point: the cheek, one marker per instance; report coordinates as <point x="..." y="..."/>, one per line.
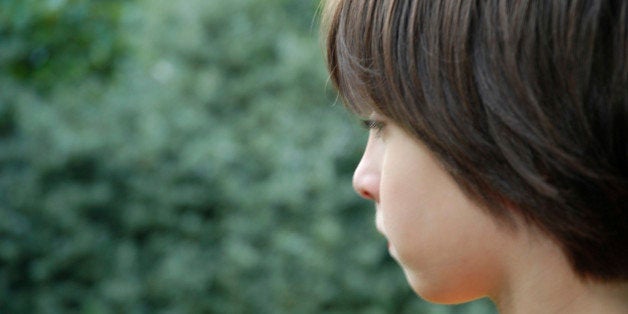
<point x="401" y="208"/>
<point x="447" y="246"/>
<point x="411" y="195"/>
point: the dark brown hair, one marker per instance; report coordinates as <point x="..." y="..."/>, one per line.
<point x="523" y="102"/>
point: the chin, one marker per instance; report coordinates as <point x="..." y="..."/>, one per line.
<point x="441" y="293"/>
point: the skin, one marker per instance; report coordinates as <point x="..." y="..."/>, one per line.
<point x="451" y="250"/>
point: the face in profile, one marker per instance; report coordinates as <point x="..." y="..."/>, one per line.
<point x="451" y="251"/>
<point x="521" y="194"/>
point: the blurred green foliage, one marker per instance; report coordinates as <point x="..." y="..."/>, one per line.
<point x="43" y="41"/>
<point x="181" y="157"/>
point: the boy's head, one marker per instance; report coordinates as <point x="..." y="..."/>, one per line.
<point x="524" y="103"/>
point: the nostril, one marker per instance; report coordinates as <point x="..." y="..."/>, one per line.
<point x="365" y="194"/>
<point x="363" y="190"/>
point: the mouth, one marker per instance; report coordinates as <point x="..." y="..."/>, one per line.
<point x="379" y="225"/>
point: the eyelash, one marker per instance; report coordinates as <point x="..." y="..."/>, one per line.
<point x="373" y="125"/>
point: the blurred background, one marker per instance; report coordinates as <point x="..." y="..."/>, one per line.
<point x="182" y="157"/>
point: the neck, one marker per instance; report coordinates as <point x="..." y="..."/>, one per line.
<point x="542" y="281"/>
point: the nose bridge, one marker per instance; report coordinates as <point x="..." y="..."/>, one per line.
<point x="367" y="174"/>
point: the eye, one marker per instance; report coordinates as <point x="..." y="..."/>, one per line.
<point x="374" y="125"/>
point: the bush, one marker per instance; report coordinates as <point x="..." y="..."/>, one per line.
<point x="181" y="157"/>
<point x="42" y="42"/>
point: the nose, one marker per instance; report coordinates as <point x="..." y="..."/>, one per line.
<point x="366" y="177"/>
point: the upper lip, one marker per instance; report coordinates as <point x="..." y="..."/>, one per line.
<point x="381" y="231"/>
<point x="378" y="221"/>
